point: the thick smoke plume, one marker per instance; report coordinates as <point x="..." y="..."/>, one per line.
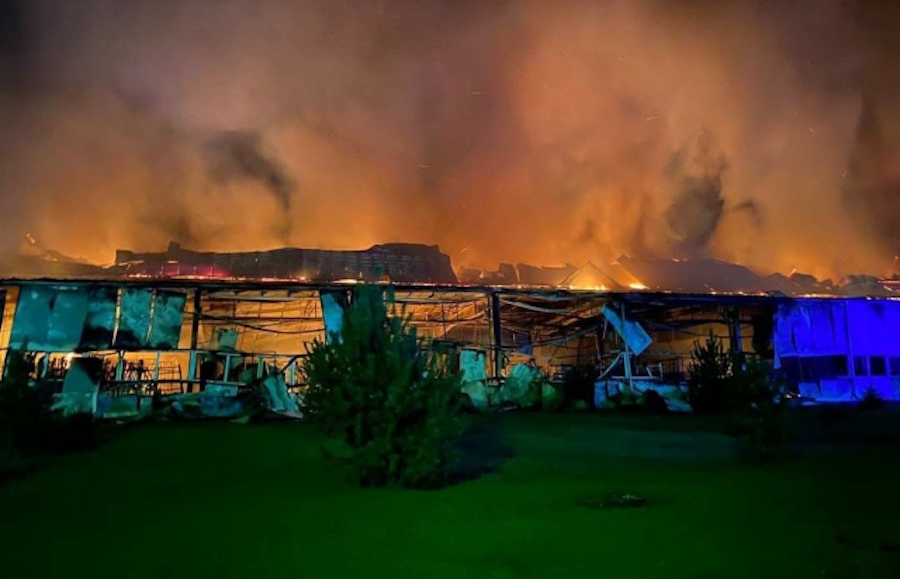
<point x="696" y="173"/>
<point x="239" y="156"/>
<point x="531" y="130"/>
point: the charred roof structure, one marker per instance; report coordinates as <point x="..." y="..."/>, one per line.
<point x="33" y="260"/>
<point x="400" y="262"/>
<point x="687" y="276"/>
<point x="425" y="264"/>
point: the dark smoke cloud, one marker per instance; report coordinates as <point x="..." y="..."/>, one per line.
<point x="12" y="34"/>
<point x="872" y="191"/>
<point x="752" y="212"/>
<point x="238" y="155"/>
<point x="588" y="232"/>
<point x="14" y="53"/>
<point x="531" y="130"/>
<point x="696" y="173"/>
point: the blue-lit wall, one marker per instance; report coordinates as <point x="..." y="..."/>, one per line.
<point x="837" y="349"/>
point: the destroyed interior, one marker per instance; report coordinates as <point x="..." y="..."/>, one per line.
<point x="210" y="334"/>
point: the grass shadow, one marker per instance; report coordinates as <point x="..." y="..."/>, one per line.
<point x="482" y="450"/>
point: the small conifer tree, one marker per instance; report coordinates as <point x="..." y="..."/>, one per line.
<point x="711" y="366"/>
<point x="390" y="398"/>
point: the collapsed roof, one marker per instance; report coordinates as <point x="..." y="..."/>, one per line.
<point x="691" y="276"/>
<point x="31" y="259"/>
<point x="426" y="264"/>
<point x="400" y="262"/>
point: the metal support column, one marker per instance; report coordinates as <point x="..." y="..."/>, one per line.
<point x="195" y="331"/>
<point x="851" y="355"/>
<point x="626" y="353"/>
<point x="737" y="338"/>
<point x="496" y="334"/>
<point x="120" y="366"/>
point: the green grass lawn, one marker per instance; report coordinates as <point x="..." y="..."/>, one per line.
<point x="258" y="501"/>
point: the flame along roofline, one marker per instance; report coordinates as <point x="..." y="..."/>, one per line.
<point x="537" y="291"/>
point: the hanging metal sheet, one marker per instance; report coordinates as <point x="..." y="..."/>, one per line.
<point x="134" y="319"/>
<point x="473" y="365"/>
<point x="48" y="319"/>
<point x="168" y="317"/>
<point x="100" y="322"/>
<point x="333" y="305"/>
<point x="632" y="333"/>
<point x="224" y="339"/>
<point x="67" y="320"/>
<point x="32" y="317"/>
<point x="523" y="343"/>
<point x="80" y="387"/>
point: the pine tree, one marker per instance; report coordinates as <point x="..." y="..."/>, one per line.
<point x="386" y="394"/>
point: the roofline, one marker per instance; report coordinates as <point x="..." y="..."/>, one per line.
<point x="634" y="296"/>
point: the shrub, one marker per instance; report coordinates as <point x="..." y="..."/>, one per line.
<point x="391" y="402"/>
<point x="551" y="397"/>
<point x="26" y="424"/>
<point x="20" y="406"/>
<point x="871" y="400"/>
<point x="73" y="433"/>
<point x="832" y="414"/>
<point x="625" y="400"/>
<point x="577" y="386"/>
<point x="711" y="367"/>
<point x="654" y="402"/>
<point x="759" y="416"/>
<point x="524" y="388"/>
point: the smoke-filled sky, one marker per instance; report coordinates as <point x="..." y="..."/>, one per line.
<point x="545" y="131"/>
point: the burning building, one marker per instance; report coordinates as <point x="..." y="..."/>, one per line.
<point x="458" y="132"/>
<point x="156" y="337"/>
<point x="183" y="321"/>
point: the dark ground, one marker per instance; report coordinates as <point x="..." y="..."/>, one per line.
<point x="223" y="500"/>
